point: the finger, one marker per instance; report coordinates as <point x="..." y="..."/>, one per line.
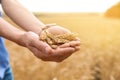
<point x="74" y="43"/>
<point x="53" y="24"/>
<point x="64" y="45"/>
<point x="70" y="44"/>
<point x="77" y="39"/>
<point x="77" y="48"/>
<point x="63" y="51"/>
<point x="48" y="26"/>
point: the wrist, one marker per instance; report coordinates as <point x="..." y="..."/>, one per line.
<point x="18" y="38"/>
<point x="26" y="38"/>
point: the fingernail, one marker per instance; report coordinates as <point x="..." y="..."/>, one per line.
<point x="77" y="48"/>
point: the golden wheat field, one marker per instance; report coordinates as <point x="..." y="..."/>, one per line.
<point x="98" y="59"/>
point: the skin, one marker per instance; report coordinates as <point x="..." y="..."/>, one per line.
<point x="28" y="37"/>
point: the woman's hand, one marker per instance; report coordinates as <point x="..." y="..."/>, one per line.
<point x="43" y="51"/>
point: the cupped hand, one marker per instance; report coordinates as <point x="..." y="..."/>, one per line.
<point x="43" y="51"/>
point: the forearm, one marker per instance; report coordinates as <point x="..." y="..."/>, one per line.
<point x="21" y="16"/>
<point x="9" y="32"/>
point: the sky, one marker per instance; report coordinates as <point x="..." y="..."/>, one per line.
<point x="68" y="5"/>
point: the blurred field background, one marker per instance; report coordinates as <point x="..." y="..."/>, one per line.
<point x="98" y="59"/>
